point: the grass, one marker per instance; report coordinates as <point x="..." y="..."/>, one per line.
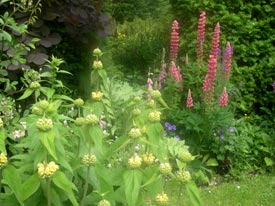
<point x="250" y="191"/>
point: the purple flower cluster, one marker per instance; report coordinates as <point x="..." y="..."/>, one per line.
<point x="169" y="130"/>
<point x="170" y="127"/>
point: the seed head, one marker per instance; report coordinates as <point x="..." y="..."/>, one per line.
<point x="148" y="158"/>
<point x="80" y="121"/>
<point x="134" y="161"/>
<point x="104" y="203"/>
<point x="97" y="95"/>
<point x="183" y="176"/>
<point x="35" y="85"/>
<point x="92" y="119"/>
<point x="44" y="124"/>
<point x="89" y="160"/>
<point x="162" y="199"/>
<point x="135" y="133"/>
<point x="47" y="170"/>
<point x="165" y="168"/>
<point x="78" y="102"/>
<point x="154" y="116"/>
<point x="97" y="64"/>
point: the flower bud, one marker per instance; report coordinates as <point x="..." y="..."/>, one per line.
<point x="44" y="124"/>
<point x="154" y="93"/>
<point x="151" y="103"/>
<point x="1" y="123"/>
<point x="92" y="119"/>
<point x="97" y="65"/>
<point x="154" y="116"/>
<point x="136" y="112"/>
<point x="148" y="158"/>
<point x="37" y="110"/>
<point x="134" y="161"/>
<point x="80" y="121"/>
<point x="135" y="133"/>
<point x="165" y="168"/>
<point x="79" y="102"/>
<point x="97" y="95"/>
<point x="97" y="52"/>
<point x="3" y="160"/>
<point x="183" y="176"/>
<point x="186" y="156"/>
<point x="89" y="160"/>
<point x="43" y="104"/>
<point x="47" y="170"/>
<point x="162" y="199"/>
<point x="137" y="98"/>
<point x="104" y="203"/>
<point x="35" y="85"/>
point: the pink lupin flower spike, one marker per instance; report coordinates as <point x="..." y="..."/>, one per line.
<point x="174" y="72"/>
<point x="226" y="64"/>
<point x="223" y="98"/>
<point x="162" y="76"/>
<point x="200" y="37"/>
<point x="189" y="101"/>
<point x="174" y="42"/>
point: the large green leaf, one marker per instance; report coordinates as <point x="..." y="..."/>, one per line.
<point x="61" y="181"/>
<point x="47" y="139"/>
<point x="13" y="180"/>
<point x="30" y="186"/>
<point x="132" y="182"/>
<point x="96" y="135"/>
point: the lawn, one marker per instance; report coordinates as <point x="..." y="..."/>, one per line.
<point x="250" y="191"/>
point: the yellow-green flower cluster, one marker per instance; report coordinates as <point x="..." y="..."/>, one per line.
<point x="135" y="133"/>
<point x="44" y="124"/>
<point x="47" y="170"/>
<point x="89" y="160"/>
<point x="165" y="168"/>
<point x="154" y="93"/>
<point x="79" y="121"/>
<point x="78" y="102"/>
<point x="136" y="112"/>
<point x="41" y="107"/>
<point x="151" y="103"/>
<point x="104" y="203"/>
<point x="162" y="199"/>
<point x="3" y="159"/>
<point x="92" y="119"/>
<point x="183" y="176"/>
<point x="154" y="116"/>
<point x="135" y="161"/>
<point x="97" y="64"/>
<point x="35" y="85"/>
<point x="186" y="156"/>
<point x="1" y="123"/>
<point x="43" y="104"/>
<point x="148" y="158"/>
<point x="97" y="95"/>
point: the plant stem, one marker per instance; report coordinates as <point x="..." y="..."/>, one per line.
<point x="0" y="179"/>
<point x="180" y="188"/>
<point x="85" y="188"/>
<point x="49" y="192"/>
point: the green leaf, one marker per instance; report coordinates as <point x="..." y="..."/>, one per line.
<point x="212" y="162"/>
<point x="96" y="135"/>
<point x="2" y="141"/>
<point x="13" y="180"/>
<point x="47" y="139"/>
<point x="268" y="161"/>
<point x="30" y="186"/>
<point x="193" y="194"/>
<point x="26" y="94"/>
<point x="6" y="36"/>
<point x="61" y="181"/>
<point x="132" y="182"/>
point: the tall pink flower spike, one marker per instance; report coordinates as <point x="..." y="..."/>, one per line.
<point x="200" y="37"/>
<point x="226" y="64"/>
<point x="223" y="98"/>
<point x="174" y="72"/>
<point x="210" y="77"/>
<point x="189" y="101"/>
<point x="174" y="42"/>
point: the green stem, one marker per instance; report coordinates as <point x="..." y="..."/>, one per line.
<point x="0" y="179"/>
<point x="85" y="188"/>
<point x="180" y="188"/>
<point x="49" y="192"/>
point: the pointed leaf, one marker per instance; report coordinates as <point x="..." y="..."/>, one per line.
<point x="26" y="94"/>
<point x="193" y="194"/>
<point x="30" y="186"/>
<point x="132" y="182"/>
<point x="2" y="141"/>
<point x="47" y="139"/>
<point x="61" y="181"/>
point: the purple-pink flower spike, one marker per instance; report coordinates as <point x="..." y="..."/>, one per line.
<point x="189" y="101"/>
<point x="226" y="64"/>
<point x="162" y="76"/>
<point x="174" y="72"/>
<point x="174" y="42"/>
<point x="200" y="36"/>
<point x="223" y="98"/>
<point x="209" y="80"/>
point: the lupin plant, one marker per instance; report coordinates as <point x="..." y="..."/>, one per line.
<point x="205" y="111"/>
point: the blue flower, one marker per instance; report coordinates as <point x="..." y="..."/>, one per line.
<point x="231" y="129"/>
<point x="222" y="136"/>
